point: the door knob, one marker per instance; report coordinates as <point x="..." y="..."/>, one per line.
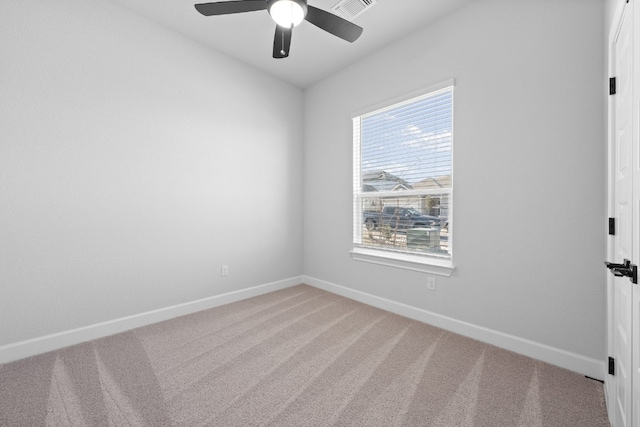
<point x="626" y="269"/>
<point x="611" y="265"/>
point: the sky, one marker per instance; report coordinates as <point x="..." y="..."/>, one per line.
<point x="412" y="140"/>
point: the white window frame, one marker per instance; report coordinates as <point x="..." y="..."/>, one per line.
<point x="425" y="263"/>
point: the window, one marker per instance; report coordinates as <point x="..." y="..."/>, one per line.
<point x="403" y="182"/>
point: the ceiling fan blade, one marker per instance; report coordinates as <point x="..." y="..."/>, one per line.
<point x="333" y="24"/>
<point x="282" y="42"/>
<point x="227" y="7"/>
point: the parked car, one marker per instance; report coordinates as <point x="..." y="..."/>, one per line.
<point x="399" y="218"/>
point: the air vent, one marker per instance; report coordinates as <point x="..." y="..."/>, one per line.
<point x="349" y="9"/>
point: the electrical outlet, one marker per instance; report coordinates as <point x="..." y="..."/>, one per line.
<point x="224" y="270"/>
<point x="431" y="283"/>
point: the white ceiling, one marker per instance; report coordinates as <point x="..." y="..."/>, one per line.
<point x="315" y="54"/>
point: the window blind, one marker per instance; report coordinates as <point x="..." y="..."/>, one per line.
<point x="403" y="175"/>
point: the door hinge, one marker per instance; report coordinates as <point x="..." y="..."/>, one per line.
<point x="612" y="86"/>
<point x="612" y="366"/>
<point x="612" y="226"/>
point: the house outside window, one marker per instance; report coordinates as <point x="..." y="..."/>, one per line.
<point x="403" y="182"/>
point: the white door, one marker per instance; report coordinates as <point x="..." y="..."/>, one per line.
<point x="622" y="187"/>
<point x="634" y="10"/>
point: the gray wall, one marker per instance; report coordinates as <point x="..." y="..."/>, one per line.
<point x="133" y="163"/>
<point x="609" y="10"/>
<point x="528" y="169"/>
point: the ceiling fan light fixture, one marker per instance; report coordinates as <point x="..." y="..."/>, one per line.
<point x="288" y="13"/>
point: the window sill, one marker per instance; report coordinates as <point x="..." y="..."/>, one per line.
<point x="423" y="264"/>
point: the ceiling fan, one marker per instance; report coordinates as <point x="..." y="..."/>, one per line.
<point x="287" y="14"/>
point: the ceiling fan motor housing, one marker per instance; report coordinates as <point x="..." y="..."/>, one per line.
<point x="301" y="3"/>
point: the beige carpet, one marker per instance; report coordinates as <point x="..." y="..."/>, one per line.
<point x="296" y="357"/>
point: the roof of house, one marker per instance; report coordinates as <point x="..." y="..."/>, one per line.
<point x="383" y="181"/>
<point x="434" y="182"/>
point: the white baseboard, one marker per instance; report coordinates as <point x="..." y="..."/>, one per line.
<point x="32" y="347"/>
<point x="574" y="362"/>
